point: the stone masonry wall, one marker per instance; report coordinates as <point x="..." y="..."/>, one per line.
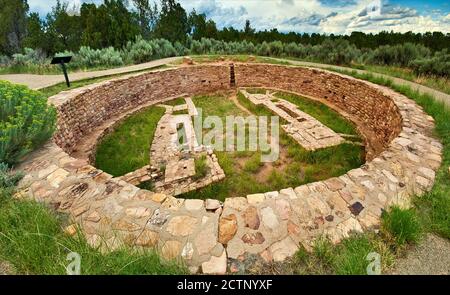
<point x="374" y="112"/>
<point x="80" y="114"/>
<point x="212" y="237"/>
<point x="82" y="111"/>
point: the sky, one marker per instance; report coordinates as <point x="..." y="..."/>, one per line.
<point x="313" y="16"/>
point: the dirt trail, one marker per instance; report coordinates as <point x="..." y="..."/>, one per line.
<point x="235" y="100"/>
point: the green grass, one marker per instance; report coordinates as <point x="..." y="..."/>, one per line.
<point x="246" y="174"/>
<point x="350" y="257"/>
<point x="434" y="207"/>
<point x="321" y="112"/>
<point x="201" y="167"/>
<point x="32" y="240"/>
<point x="55" y="89"/>
<point x="127" y="148"/>
<point x="180" y="112"/>
<point x="175" y="102"/>
<point x="256" y="90"/>
<point x="403" y="225"/>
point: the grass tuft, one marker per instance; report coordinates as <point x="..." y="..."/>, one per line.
<point x="201" y="167"/>
<point x="403" y="225"/>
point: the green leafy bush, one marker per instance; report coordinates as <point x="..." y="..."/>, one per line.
<point x="26" y="121"/>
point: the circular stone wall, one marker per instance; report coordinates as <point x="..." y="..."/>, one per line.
<point x="401" y="152"/>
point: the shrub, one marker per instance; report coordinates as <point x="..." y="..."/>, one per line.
<point x="26" y="121"/>
<point x="87" y="57"/>
<point x="138" y="51"/>
<point x="263" y="49"/>
<point x="403" y="225"/>
<point x="8" y="178"/>
<point x="275" y="48"/>
<point x="4" y="61"/>
<point x="399" y="55"/>
<point x="438" y="65"/>
<point x="29" y="57"/>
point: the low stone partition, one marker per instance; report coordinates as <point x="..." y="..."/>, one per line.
<point x="375" y="114"/>
<point x="213" y="237"/>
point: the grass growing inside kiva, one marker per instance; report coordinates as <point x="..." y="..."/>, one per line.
<point x="128" y="147"/>
<point x="246" y="174"/>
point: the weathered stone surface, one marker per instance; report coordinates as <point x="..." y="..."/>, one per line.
<point x="206" y="239"/>
<point x="215" y="265"/>
<point x="253" y="238"/>
<point x="266" y="256"/>
<point x="337" y="203"/>
<point x="251" y="217"/>
<point x="57" y="177"/>
<point x="159" y="198"/>
<point x="139" y="212"/>
<point x="71" y="229"/>
<point x="193" y="205"/>
<point x="181" y="225"/>
<point x="238" y="203"/>
<point x="188" y="251"/>
<point x="356" y="208"/>
<point x="271" y="195"/>
<point x="269" y="218"/>
<point x="94" y="217"/>
<point x="255" y="198"/>
<point x="283" y="249"/>
<point x="334" y="184"/>
<point x="288" y="192"/>
<point x="212" y="204"/>
<point x="171" y="250"/>
<point x="227" y="228"/>
<point x="172" y="203"/>
<point x="283" y="209"/>
<point x="147" y="238"/>
<point x="126" y="225"/>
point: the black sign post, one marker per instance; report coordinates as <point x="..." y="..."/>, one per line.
<point x="62" y="60"/>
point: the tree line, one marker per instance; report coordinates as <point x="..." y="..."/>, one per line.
<point x="113" y="24"/>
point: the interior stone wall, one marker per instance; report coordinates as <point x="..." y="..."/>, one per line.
<point x="81" y="113"/>
<point x="375" y="114"/>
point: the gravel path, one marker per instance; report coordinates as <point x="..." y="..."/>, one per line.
<point x="430" y="257"/>
<point x="42" y="81"/>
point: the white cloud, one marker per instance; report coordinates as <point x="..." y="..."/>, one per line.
<point x="323" y="16"/>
